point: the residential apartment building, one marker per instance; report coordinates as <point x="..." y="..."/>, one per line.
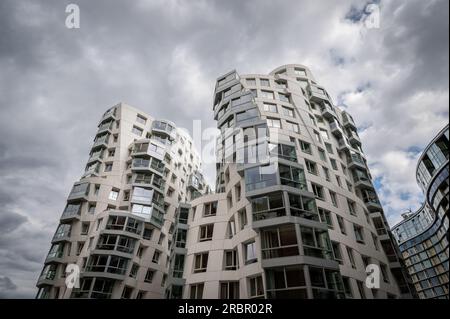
<point x="423" y="236"/>
<point x="295" y="213"/>
<point x="122" y="217"/>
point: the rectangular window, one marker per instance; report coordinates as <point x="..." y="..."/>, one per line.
<point x="196" y="291"/>
<point x="322" y="155"/>
<point x="301" y="72"/>
<point x="311" y="167"/>
<point x="268" y="107"/>
<point x="292" y="127"/>
<point x="206" y="232"/>
<point x="229" y="290"/>
<point x="326" y="173"/>
<point x="305" y="147"/>
<point x="384" y="272"/>
<point x="361" y="289"/>
<point x="338" y="180"/>
<point x="200" y="262"/>
<point x="283" y="97"/>
<point x="273" y="123"/>
<point x="141" y="119"/>
<point x="351" y="257"/>
<point x="351" y="207"/>
<point x="317" y="137"/>
<point x="292" y="176"/>
<point x="325" y="217"/>
<point x="108" y="167"/>
<point x="136" y="130"/>
<point x="256" y="287"/>
<point x="134" y="270"/>
<point x="264" y="82"/>
<point x="113" y="195"/>
<point x="333" y="164"/>
<point x="149" y="275"/>
<point x="250" y="82"/>
<point x="250" y="252"/>
<point x="267" y="94"/>
<point x="334" y="199"/>
<point x="329" y="148"/>
<point x="375" y="241"/>
<point x="279" y="242"/>
<point x="156" y="255"/>
<point x="324" y="134"/>
<point x="318" y="191"/>
<point x="230" y="259"/>
<point x="269" y="206"/>
<point x="341" y="224"/>
<point x="242" y="214"/>
<point x="347" y="287"/>
<point x="288" y="111"/>
<point x="316" y="242"/>
<point x="210" y="209"/>
<point x="359" y="233"/>
<point x="337" y="253"/>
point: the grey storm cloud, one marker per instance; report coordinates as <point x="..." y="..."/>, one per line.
<point x="163" y="57"/>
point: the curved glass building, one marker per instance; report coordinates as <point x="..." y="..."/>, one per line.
<point x="423" y="236"/>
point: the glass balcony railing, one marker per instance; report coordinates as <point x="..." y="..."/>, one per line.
<point x="164" y="127"/>
<point x="109" y="113"/>
<point x="62" y="232"/>
<point x="49" y="275"/>
<point x="71" y="211"/>
<point x="348" y="120"/>
<point x="356" y="159"/>
<point x="152" y="163"/>
<point x="336" y="129"/>
<point x="104" y="127"/>
<point x="101" y="140"/>
<point x="79" y="191"/>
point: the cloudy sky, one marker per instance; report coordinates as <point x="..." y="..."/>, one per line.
<point x="164" y="56"/>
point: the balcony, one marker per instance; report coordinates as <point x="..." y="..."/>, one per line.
<point x="348" y="120"/>
<point x="356" y="161"/>
<point x="327" y="111"/>
<point x="101" y="141"/>
<point x="95" y="156"/>
<point x="370" y="198"/>
<point x="62" y="233"/>
<point x="79" y="192"/>
<point x="71" y="212"/>
<point x="92" y="170"/>
<point x="146" y="164"/>
<point x="343" y="144"/>
<point x="336" y="129"/>
<point x="48" y="276"/>
<point x="362" y="180"/>
<point x="354" y="138"/>
<point x="105" y="127"/>
<point x="165" y="128"/>
<point x="110" y="114"/>
<point x="56" y="253"/>
<point x="317" y="94"/>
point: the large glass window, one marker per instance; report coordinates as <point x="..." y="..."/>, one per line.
<point x="279" y="242"/>
<point x="302" y="206"/>
<point x="316" y="242"/>
<point x="268" y="206"/>
<point x="260" y="177"/>
<point x="283" y="151"/>
<point x="200" y="262"/>
<point x="286" y="283"/>
<point x="292" y="176"/>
